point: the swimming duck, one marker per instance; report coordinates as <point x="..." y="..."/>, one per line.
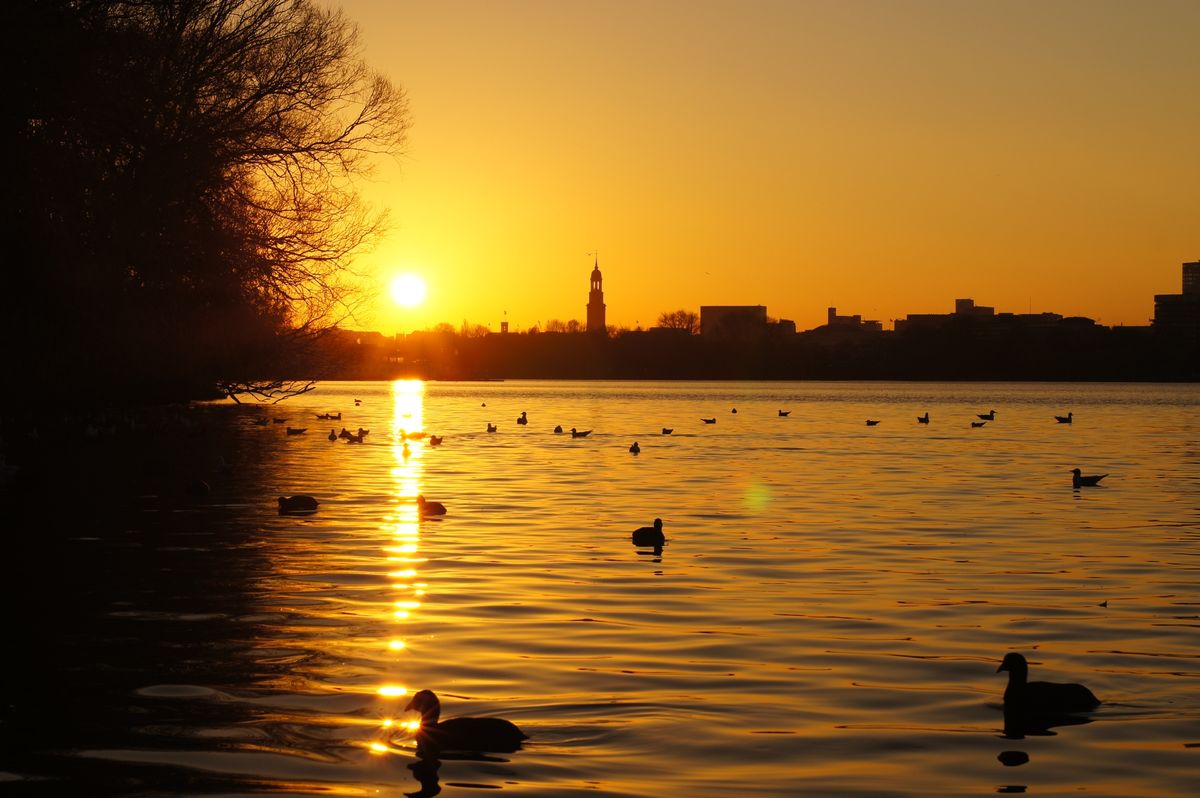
<point x="345" y="433"/>
<point x="279" y="420"/>
<point x="734" y="411"/>
<point x="430" y="508"/>
<point x="1041" y="697"/>
<point x="872" y="422"/>
<point x="462" y="734"/>
<point x="352" y="438"/>
<point x="988" y="416"/>
<point x="297" y="430"/>
<point x="923" y="419"/>
<point x="1078" y="480"/>
<point x="784" y="413"/>
<point x="709" y="420"/>
<point x="436" y="440"/>
<point x="299" y="504"/>
<point x="521" y="419"/>
<point x="1065" y="419"/>
<point x="668" y="430"/>
<point x="978" y="423"/>
<point x="558" y="429"/>
<point x="362" y="432"/>
<point x="491" y="427"/>
<point x="357" y="402"/>
<point x="332" y="435"/>
<point x="580" y="433"/>
<point x="635" y="449"/>
<point x="262" y="422"/>
<point x="649" y="535"/>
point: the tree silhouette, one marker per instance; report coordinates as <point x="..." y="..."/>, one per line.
<point x="680" y="320"/>
<point x="184" y="174"/>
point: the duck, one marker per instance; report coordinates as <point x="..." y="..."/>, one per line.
<point x="430" y="508"/>
<point x="297" y="430"/>
<point x="279" y="420"/>
<point x="352" y="438"/>
<point x="872" y="422"/>
<point x="332" y="435"/>
<point x="709" y="420"/>
<point x="300" y="504"/>
<point x="649" y="535"/>
<point x="262" y="422"/>
<point x="978" y="424"/>
<point x="1078" y="480"/>
<point x="734" y="411"/>
<point x="580" y="433"/>
<point x="461" y="734"/>
<point x="635" y="449"/>
<point x="436" y="440"/>
<point x="558" y="429"/>
<point x="522" y="420"/>
<point x="345" y="433"/>
<point x="923" y="419"/>
<point x="362" y="432"/>
<point x="357" y="402"/>
<point x="784" y="413"/>
<point x="988" y="416"/>
<point x="667" y="430"/>
<point x="1041" y="697"/>
<point x="491" y="427"/>
<point x="1065" y="419"/>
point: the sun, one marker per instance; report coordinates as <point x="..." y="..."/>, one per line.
<point x="407" y="290"/>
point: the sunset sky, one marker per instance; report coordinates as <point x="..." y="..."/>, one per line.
<point x="882" y="157"/>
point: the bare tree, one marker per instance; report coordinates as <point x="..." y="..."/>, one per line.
<point x="680" y="320"/>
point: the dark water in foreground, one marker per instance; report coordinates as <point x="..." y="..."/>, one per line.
<point x="826" y="619"/>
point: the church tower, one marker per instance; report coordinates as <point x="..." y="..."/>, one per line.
<point x="595" y="306"/>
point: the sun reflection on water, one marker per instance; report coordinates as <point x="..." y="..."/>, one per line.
<point x="408" y="448"/>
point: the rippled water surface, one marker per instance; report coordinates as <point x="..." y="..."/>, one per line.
<point x="826" y="618"/>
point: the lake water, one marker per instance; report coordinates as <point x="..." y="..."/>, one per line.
<point x="826" y="618"/>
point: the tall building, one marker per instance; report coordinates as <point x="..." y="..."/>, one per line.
<point x="595" y="305"/>
<point x="1177" y="316"/>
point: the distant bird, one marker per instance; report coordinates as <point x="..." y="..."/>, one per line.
<point x="357" y="402"/>
<point x="635" y="449"/>
<point x="1078" y="480"/>
<point x="297" y="505"/>
<point x="580" y="434"/>
<point x="430" y="508"/>
<point x="709" y="420"/>
<point x="923" y="419"/>
<point x="988" y="416"/>
<point x="784" y="413"/>
<point x="734" y="411"/>
<point x="345" y="433"/>
<point x="1065" y="419"/>
<point x="650" y="535"/>
<point x="1041" y="697"/>
<point x="352" y="438"/>
<point x="332" y="435"/>
<point x="667" y="430"/>
<point x="483" y="404"/>
<point x="978" y="423"/>
<point x="362" y="432"/>
<point x="558" y="429"/>
<point x="297" y="430"/>
<point x="871" y="423"/>
<point x="262" y="422"/>
<point x="279" y="420"/>
<point x="461" y="734"/>
<point x="522" y="420"/>
<point x="436" y="440"/>
<point x="491" y="427"/>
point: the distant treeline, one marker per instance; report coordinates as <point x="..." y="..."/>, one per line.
<point x="964" y="350"/>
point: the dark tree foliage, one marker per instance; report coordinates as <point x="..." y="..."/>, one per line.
<point x="680" y="320"/>
<point x="181" y="178"/>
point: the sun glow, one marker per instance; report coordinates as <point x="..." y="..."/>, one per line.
<point x="407" y="290"/>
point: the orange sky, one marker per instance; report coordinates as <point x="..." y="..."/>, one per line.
<point x="883" y="157"/>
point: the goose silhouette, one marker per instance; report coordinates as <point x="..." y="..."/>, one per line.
<point x="988" y="416"/>
<point x="430" y="508"/>
<point x="1065" y="419"/>
<point x="784" y="413"/>
<point x="299" y="504"/>
<point x="650" y="535"/>
<point x="923" y="419"/>
<point x="1041" y="697"/>
<point x="580" y="433"/>
<point x="1078" y="480"/>
<point x="461" y="734"/>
